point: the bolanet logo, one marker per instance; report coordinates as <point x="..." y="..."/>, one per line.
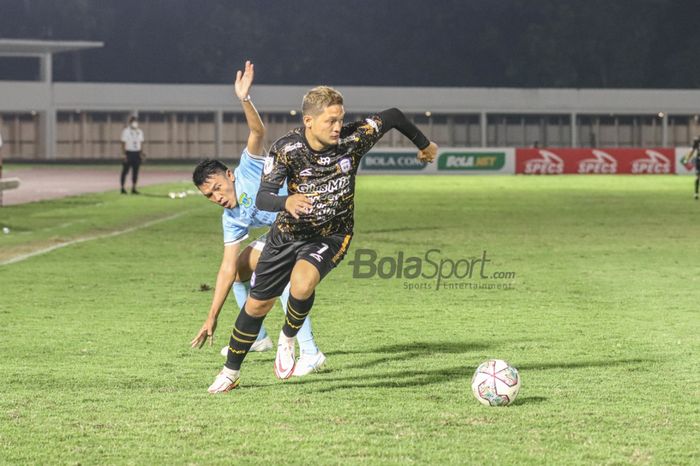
<point x="471" y="161"/>
<point x="601" y="163"/>
<point x="653" y="164"/>
<point x="549" y="164"/>
<point x="392" y="161"/>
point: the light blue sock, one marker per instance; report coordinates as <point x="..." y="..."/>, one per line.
<point x="305" y="337"/>
<point x="240" y="291"/>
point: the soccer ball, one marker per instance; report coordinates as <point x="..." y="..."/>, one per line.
<point x="495" y="383"/>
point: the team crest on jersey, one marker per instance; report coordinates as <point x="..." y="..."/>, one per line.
<point x="245" y="200"/>
<point x="345" y="165"/>
<point x="267" y="167"/>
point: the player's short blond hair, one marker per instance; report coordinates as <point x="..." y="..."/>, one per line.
<point x="318" y="98"/>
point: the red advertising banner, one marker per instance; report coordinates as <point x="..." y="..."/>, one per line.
<point x="555" y="161"/>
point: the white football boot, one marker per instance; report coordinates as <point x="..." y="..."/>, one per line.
<point x="309" y="363"/>
<point x="226" y="381"/>
<point x="284" y="361"/>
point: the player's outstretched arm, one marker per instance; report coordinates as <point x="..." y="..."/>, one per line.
<point x="224" y="280"/>
<point x="395" y="118"/>
<point x="256" y="135"/>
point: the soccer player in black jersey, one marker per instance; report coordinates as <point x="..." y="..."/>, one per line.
<point x="312" y="233"/>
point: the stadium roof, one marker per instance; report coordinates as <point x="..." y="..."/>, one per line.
<point x="32" y="47"/>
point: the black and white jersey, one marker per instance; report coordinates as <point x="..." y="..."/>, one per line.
<point x="327" y="178"/>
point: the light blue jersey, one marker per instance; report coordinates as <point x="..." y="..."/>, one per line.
<point x="238" y="221"/>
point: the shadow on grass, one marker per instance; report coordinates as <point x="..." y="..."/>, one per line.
<point x="407" y="351"/>
<point x="397" y="379"/>
<point x="421" y="347"/>
<point x="529" y="400"/>
<point x="580" y="364"/>
<point x="412" y="378"/>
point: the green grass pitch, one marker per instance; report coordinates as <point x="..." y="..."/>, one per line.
<point x="602" y="321"/>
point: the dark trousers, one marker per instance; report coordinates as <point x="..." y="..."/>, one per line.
<point x="133" y="162"/>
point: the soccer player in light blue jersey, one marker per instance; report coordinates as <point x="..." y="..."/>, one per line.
<point x="235" y="191"/>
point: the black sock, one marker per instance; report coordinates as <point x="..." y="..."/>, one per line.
<point x="297" y="310"/>
<point x="697" y="182"/>
<point x="243" y="335"/>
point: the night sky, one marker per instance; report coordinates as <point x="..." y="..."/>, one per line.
<point x="516" y="43"/>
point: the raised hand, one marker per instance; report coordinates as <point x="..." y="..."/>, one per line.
<point x="244" y="79"/>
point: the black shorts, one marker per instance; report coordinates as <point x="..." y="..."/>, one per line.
<point x="133" y="158"/>
<point x="697" y="165"/>
<point x="277" y="260"/>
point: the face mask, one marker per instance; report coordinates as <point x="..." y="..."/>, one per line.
<point x="134" y="124"/>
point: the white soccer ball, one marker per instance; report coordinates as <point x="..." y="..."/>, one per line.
<point x="495" y="383"/>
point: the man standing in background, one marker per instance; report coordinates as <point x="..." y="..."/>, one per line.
<point x="132" y="139"/>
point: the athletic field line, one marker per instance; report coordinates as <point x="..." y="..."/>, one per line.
<point x="38" y="252"/>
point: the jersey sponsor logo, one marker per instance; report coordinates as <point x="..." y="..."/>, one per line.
<point x="290" y="147"/>
<point x="654" y="163"/>
<point x="549" y="164"/>
<point x="471" y="161"/>
<point x="324" y="160"/>
<point x="269" y="163"/>
<point x="348" y="140"/>
<point x="600" y="163"/>
<point x="329" y="187"/>
<point x="245" y="200"/>
<point x="306" y="172"/>
<point x="345" y="165"/>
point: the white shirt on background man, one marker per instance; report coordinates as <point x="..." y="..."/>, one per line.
<point x="132" y="139"/>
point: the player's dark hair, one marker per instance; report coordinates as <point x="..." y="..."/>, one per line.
<point x="205" y="169"/>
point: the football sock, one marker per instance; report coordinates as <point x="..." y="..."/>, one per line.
<point x="240" y="291"/>
<point x="697" y="182"/>
<point x="243" y="335"/>
<point x="297" y="310"/>
<point x="305" y="337"/>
